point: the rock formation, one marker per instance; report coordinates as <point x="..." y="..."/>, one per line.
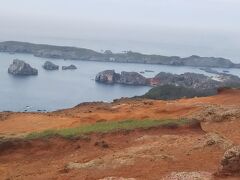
<point x="132" y="78"/>
<point x="230" y="164"/>
<point x="50" y="66"/>
<point x="190" y="80"/>
<point x="20" y="68"/>
<point x="71" y="67"/>
<point x="108" y="77"/>
<point x="128" y="78"/>
<point x="187" y="80"/>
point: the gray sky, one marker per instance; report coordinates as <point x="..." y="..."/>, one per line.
<point x="170" y="27"/>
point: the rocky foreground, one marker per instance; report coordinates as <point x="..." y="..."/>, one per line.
<point x="73" y="53"/>
<point x="208" y="150"/>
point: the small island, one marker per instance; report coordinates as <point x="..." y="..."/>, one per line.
<point x="50" y="66"/>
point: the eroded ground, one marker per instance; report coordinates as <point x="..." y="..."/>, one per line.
<point x="141" y="154"/>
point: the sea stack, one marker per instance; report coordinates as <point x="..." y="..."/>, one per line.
<point x="21" y="68"/>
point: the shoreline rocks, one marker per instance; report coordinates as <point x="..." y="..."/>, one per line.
<point x="21" y="68"/>
<point x="50" y="66"/>
<point x="187" y="80"/>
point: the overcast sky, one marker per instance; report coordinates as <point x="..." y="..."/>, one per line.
<point x="171" y="27"/>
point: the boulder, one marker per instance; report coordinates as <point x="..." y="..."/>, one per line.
<point x="230" y="163"/>
<point x="108" y="77"/>
<point x="50" y="66"/>
<point x="71" y="67"/>
<point x="21" y="68"/>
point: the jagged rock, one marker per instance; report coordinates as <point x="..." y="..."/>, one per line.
<point x="71" y="67"/>
<point x="189" y="176"/>
<point x="20" y="68"/>
<point x="108" y="76"/>
<point x="50" y="66"/>
<point x="230" y="163"/>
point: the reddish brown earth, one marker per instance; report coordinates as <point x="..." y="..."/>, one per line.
<point x="140" y="154"/>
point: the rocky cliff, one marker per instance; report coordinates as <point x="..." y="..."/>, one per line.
<point x="73" y="53"/>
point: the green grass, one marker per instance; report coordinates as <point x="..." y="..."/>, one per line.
<point x="105" y="127"/>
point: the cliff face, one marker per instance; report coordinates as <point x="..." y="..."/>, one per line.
<point x="73" y="53"/>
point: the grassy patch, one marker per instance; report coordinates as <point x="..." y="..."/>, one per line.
<point x="105" y="127"/>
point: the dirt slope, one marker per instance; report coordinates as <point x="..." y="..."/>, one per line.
<point x="140" y="154"/>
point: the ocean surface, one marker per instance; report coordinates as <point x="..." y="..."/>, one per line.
<point x="53" y="90"/>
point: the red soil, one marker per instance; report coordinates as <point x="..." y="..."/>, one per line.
<point x="141" y="154"/>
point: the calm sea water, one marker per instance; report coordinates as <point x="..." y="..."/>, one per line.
<point x="53" y="90"/>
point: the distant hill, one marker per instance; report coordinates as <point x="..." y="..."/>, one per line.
<point x="74" y="53"/>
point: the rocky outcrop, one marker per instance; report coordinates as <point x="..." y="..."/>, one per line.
<point x="218" y="113"/>
<point x="214" y="139"/>
<point x="186" y="80"/>
<point x="61" y="52"/>
<point x="190" y="80"/>
<point x="71" y="67"/>
<point x="21" y="68"/>
<point x="189" y="176"/>
<point x="128" y="78"/>
<point x="50" y="66"/>
<point x="230" y="164"/>
<point x="107" y="77"/>
<point x="132" y="78"/>
<point x="117" y="178"/>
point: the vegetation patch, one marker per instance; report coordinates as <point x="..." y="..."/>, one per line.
<point x="106" y="127"/>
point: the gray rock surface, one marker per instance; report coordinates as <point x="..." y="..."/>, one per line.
<point x="50" y="66"/>
<point x="71" y="67"/>
<point x="21" y="68"/>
